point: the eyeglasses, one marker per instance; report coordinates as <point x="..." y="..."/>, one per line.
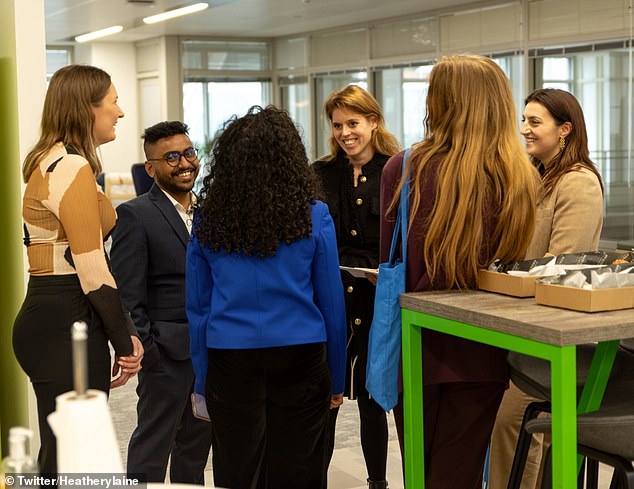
<point x="173" y="158"/>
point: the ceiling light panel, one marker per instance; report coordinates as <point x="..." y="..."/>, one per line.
<point x="170" y="14"/>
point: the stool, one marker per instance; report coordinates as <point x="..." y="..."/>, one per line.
<point x="606" y="436"/>
<point x="532" y="375"/>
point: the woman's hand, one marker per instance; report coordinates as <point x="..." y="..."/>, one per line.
<point x="336" y="400"/>
<point x="125" y="368"/>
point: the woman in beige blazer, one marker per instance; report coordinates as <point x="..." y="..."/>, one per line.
<point x="569" y="220"/>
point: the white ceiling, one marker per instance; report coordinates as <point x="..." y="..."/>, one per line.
<point x="235" y="18"/>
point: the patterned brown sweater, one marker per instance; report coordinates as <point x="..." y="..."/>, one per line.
<point x="66" y="219"/>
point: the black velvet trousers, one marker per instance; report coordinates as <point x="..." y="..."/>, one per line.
<point x="269" y="410"/>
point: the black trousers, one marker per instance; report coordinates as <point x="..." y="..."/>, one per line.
<point x="42" y="344"/>
<point x="166" y="426"/>
<point x="459" y="419"/>
<point x="373" y="427"/>
<point x="269" y="409"/>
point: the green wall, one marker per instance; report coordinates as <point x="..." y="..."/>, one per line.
<point x="13" y="392"/>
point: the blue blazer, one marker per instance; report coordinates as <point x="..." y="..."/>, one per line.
<point x="294" y="297"/>
<point x="149" y="245"/>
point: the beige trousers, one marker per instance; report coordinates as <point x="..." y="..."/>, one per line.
<point x="504" y="440"/>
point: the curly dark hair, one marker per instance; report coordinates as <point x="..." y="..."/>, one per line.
<point x="259" y="186"/>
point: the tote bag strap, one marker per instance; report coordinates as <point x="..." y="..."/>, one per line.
<point x="402" y="215"/>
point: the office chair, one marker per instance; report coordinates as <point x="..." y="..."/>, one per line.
<point x="142" y="181"/>
<point x="101" y="181"/>
<point x="532" y="375"/>
<point x="605" y="435"/>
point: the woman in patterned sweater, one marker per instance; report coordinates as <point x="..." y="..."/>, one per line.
<point x="66" y="220"/>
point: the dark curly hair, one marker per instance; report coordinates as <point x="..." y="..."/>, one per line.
<point x="259" y="186"/>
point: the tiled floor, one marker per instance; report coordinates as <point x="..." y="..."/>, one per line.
<point x="347" y="469"/>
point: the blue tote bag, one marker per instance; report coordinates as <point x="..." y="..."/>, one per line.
<point x="384" y="346"/>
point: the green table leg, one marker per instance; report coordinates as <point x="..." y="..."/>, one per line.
<point x="413" y="403"/>
<point x="598" y="376"/>
<point x="564" y="407"/>
<point x="596" y="381"/>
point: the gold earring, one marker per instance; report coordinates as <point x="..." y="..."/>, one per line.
<point x="562" y="143"/>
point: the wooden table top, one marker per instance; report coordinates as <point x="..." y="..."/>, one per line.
<point x="523" y="317"/>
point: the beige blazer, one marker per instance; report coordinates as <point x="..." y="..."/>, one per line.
<point x="570" y="218"/>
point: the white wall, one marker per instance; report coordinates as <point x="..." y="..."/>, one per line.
<point x="119" y="60"/>
<point x="31" y="70"/>
<point x="159" y="76"/>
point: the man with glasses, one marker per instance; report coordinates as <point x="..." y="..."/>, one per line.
<point x="149" y="245"/>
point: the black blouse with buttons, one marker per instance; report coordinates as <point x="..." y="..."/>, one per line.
<point x="356" y="215"/>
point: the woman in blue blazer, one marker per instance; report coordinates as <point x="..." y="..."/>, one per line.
<point x="265" y="307"/>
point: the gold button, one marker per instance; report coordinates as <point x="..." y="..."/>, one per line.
<point x="353" y="232"/>
<point x="363" y="179"/>
<point x="359" y="201"/>
<point x="357" y="321"/>
<point x="350" y="289"/>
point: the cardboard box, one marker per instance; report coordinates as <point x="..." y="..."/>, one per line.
<point x="503" y="283"/>
<point x="584" y="299"/>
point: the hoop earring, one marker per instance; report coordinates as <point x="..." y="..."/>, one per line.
<point x="562" y="143"/>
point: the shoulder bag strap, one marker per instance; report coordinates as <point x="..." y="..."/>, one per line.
<point x="404" y="204"/>
<point x="401" y="218"/>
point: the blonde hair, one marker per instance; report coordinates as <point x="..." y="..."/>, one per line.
<point x="356" y="99"/>
<point x="67" y="116"/>
<point x="471" y="125"/>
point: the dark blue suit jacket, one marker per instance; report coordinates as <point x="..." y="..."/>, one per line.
<point x="148" y="252"/>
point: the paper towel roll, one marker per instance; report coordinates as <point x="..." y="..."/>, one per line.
<point x="86" y="441"/>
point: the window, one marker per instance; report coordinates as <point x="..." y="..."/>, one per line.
<point x="226" y="55"/>
<point x="56" y="58"/>
<point x="513" y="66"/>
<point x="402" y="93"/>
<point x="557" y="73"/>
<point x="222" y="79"/>
<point x="600" y="81"/>
<point x="295" y="98"/>
<point x="208" y="104"/>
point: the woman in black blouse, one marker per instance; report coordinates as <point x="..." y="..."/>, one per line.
<point x="350" y="176"/>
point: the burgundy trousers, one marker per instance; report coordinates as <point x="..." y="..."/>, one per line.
<point x="459" y="418"/>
